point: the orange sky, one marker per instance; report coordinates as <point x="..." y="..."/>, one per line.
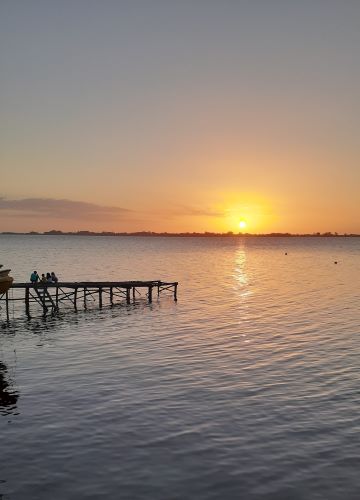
<point x="176" y="117"/>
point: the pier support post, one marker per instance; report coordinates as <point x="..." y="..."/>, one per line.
<point x="85" y="289"/>
<point x="27" y="301"/>
<point x="7" y="306"/>
<point x="111" y="296"/>
<point x="175" y="291"/>
<point x="100" y="297"/>
<point x="75" y="299"/>
<point x="133" y="293"/>
<point x="128" y="295"/>
<point x="150" y="294"/>
<point x="57" y="297"/>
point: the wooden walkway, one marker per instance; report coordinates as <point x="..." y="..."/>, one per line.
<point x="52" y="296"/>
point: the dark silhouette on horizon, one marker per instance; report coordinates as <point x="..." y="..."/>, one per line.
<point x="55" y="232"/>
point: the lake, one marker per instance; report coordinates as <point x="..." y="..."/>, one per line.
<point x="247" y="387"/>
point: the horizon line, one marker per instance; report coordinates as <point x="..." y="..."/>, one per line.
<point x="55" y="232"/>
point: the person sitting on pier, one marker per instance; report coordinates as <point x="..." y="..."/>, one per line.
<point x="34" y="278"/>
<point x="54" y="278"/>
<point x="48" y="278"/>
<point x="43" y="278"/>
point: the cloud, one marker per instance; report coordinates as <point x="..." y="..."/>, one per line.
<point x="183" y="210"/>
<point x="62" y="209"/>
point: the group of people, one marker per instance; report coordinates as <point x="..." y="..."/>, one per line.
<point x="45" y="278"/>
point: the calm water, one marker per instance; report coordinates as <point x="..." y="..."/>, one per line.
<point x="247" y="388"/>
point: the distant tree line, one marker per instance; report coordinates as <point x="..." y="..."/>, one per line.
<point x="55" y="232"/>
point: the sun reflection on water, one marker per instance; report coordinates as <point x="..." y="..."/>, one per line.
<point x="240" y="274"/>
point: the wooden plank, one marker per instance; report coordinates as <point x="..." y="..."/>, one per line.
<point x="95" y="284"/>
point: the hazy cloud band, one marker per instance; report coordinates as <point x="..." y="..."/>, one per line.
<point x="63" y="208"/>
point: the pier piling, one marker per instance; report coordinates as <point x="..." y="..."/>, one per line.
<point x="27" y="302"/>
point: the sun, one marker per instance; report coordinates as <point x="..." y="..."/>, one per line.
<point x="242" y="224"/>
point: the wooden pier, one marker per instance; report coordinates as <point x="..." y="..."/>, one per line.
<point x="52" y="296"/>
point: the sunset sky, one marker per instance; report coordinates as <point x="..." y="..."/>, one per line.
<point x="184" y="115"/>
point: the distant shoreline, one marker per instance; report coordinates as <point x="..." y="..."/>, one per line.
<point x="183" y="235"/>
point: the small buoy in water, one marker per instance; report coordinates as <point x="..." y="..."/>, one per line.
<point x="285" y="253"/>
<point x="335" y="262"/>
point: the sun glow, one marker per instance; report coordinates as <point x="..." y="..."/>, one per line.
<point x="246" y="213"/>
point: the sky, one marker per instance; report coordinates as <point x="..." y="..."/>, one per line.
<point x="184" y="115"/>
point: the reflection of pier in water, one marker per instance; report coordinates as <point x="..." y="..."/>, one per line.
<point x="54" y="296"/>
<point x="8" y="397"/>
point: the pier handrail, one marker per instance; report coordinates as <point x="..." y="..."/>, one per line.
<point x="119" y="284"/>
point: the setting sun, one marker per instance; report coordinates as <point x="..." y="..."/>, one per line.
<point x="242" y="224"/>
